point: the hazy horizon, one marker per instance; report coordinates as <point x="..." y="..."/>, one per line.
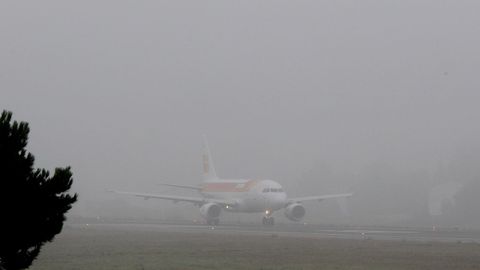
<point x="376" y="97"/>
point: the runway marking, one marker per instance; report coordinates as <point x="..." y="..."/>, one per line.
<point x="379" y="232"/>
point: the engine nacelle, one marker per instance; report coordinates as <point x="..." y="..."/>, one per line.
<point x="295" y="212"/>
<point x="210" y="211"/>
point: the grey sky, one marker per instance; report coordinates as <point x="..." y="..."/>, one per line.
<point x="123" y="90"/>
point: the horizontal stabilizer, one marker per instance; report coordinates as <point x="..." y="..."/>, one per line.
<point x="194" y="200"/>
<point x="182" y="186"/>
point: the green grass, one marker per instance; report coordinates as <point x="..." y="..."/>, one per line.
<point x="91" y="248"/>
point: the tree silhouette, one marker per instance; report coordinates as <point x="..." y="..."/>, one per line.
<point x="32" y="203"/>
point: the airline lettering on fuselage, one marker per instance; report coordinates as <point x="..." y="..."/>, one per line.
<point x="241" y="185"/>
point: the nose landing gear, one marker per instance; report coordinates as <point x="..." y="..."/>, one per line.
<point x="268" y="220"/>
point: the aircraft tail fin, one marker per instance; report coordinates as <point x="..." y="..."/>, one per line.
<point x="209" y="173"/>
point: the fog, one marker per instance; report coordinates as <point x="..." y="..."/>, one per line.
<point x="375" y="97"/>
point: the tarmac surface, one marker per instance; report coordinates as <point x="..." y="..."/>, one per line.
<point x="307" y="231"/>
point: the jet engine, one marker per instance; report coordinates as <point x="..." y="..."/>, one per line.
<point x="295" y="212"/>
<point x="210" y="211"/>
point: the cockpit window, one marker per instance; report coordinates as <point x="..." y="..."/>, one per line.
<point x="265" y="190"/>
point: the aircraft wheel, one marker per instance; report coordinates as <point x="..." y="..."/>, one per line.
<point x="269" y="221"/>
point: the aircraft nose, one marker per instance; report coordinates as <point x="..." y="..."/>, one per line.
<point x="278" y="201"/>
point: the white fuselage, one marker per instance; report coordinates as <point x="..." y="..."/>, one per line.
<point x="250" y="196"/>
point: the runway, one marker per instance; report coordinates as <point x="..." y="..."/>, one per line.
<point x="306" y="231"/>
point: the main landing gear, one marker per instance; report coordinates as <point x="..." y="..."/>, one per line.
<point x="213" y="221"/>
<point x="268" y="221"/>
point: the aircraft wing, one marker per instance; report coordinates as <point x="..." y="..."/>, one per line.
<point x="197" y="188"/>
<point x="320" y="197"/>
<point x="195" y="200"/>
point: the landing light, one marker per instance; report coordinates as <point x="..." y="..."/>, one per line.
<point x="267" y="212"/>
<point x="227" y="206"/>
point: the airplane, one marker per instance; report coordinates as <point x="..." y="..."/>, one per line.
<point x="238" y="195"/>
